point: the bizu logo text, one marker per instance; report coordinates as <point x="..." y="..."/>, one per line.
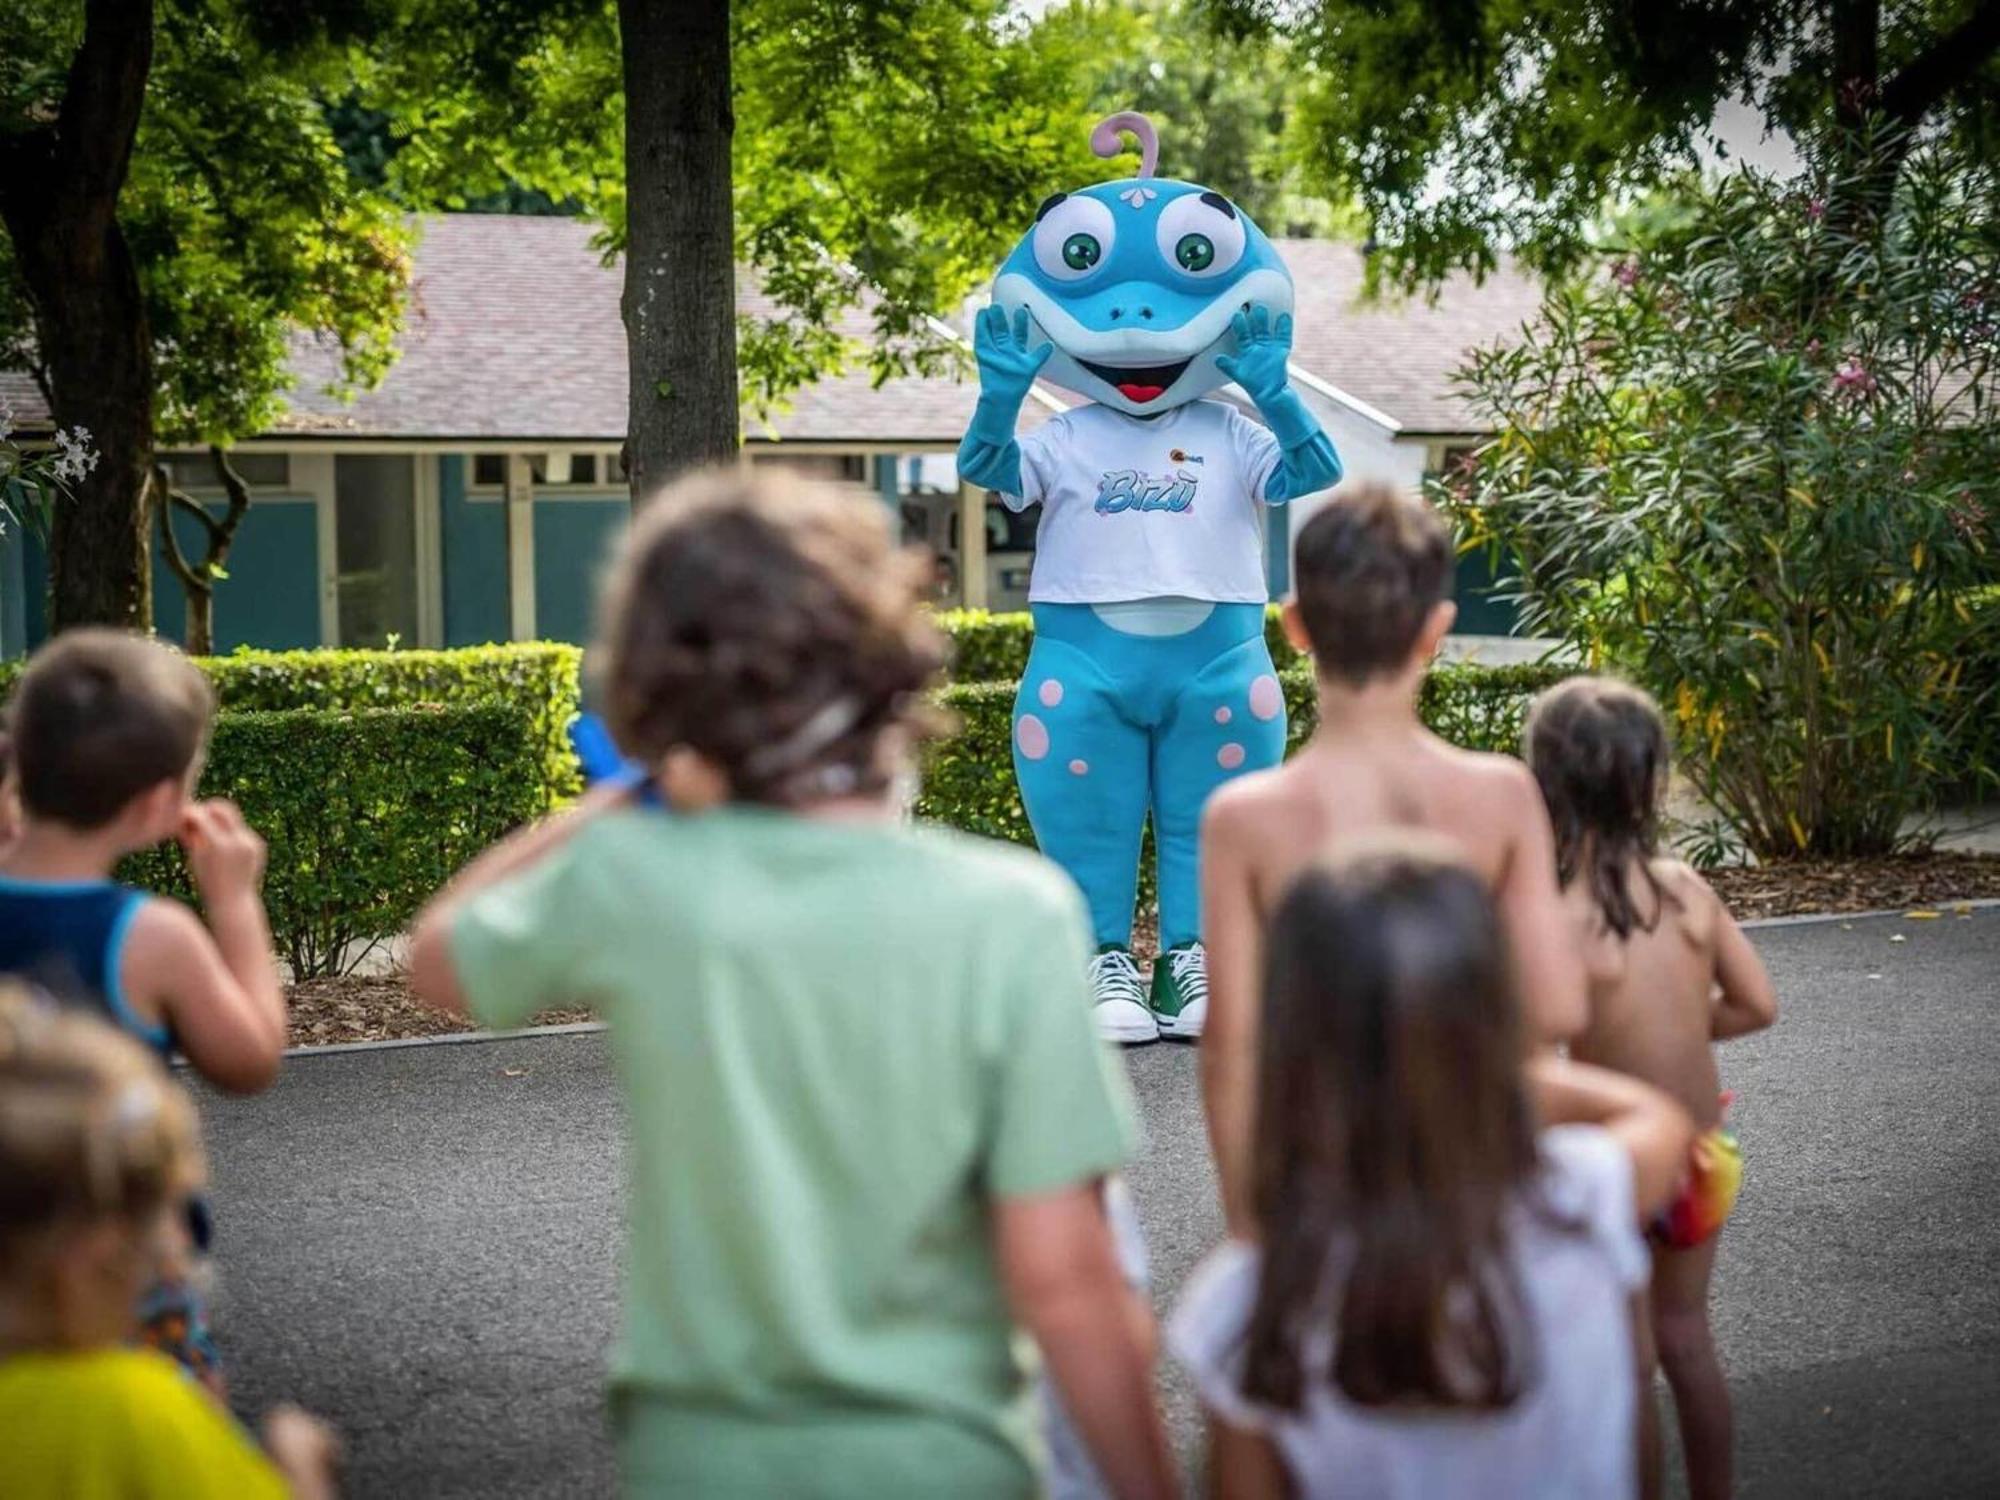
<point x="1129" y="489"/>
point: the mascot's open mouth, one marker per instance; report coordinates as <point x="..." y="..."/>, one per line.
<point x="1138" y="382"/>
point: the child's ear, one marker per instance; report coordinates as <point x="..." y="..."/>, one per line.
<point x="1295" y="627"/>
<point x="1437" y="625"/>
<point x="158" y="813"/>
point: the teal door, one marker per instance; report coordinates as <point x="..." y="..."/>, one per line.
<point x="573" y="540"/>
<point x="271" y="596"/>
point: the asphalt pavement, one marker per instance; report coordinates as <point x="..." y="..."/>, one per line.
<point x="421" y="1242"/>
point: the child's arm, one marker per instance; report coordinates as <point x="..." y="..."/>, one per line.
<point x="1243" y="1465"/>
<point x="217" y="986"/>
<point x="1234" y="938"/>
<point x="305" y="1450"/>
<point x="1063" y="1283"/>
<point x="1654" y="1130"/>
<point x="1548" y="966"/>
<point x="1748" y="1001"/>
<point x="433" y="977"/>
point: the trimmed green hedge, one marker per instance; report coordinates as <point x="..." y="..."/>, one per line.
<point x="994" y="648"/>
<point x="968" y="779"/>
<point x="366" y="813"/>
<point x="538" y="677"/>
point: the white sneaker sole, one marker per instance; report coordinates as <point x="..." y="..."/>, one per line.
<point x="1126" y="1022"/>
<point x="1185" y="1027"/>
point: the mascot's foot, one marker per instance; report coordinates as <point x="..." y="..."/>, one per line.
<point x="1119" y="999"/>
<point x="1180" y="992"/>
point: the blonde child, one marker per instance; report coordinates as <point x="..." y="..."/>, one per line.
<point x="1440" y="1299"/>
<point x="870" y="1116"/>
<point x="1373" y="573"/>
<point x="1670" y="974"/>
<point x="98" y="1154"/>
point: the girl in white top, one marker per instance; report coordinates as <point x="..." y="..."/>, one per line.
<point x="1442" y="1299"/>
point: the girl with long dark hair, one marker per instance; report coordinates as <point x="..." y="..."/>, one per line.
<point x="1439" y="1300"/>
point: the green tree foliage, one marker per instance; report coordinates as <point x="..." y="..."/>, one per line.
<point x="1222" y="101"/>
<point x="1468" y="126"/>
<point x="176" y="211"/>
<point x="1757" y="468"/>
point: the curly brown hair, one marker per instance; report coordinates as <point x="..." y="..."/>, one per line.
<point x="772" y="626"/>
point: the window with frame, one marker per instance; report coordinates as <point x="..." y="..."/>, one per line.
<point x="552" y="471"/>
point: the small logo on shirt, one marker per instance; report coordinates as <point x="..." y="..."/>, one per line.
<point x="1182" y="456"/>
<point x="1130" y="489"/>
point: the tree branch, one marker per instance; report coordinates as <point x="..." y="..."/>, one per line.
<point x="170" y="545"/>
<point x="1950" y="62"/>
<point x="100" y="108"/>
<point x="189" y="506"/>
<point x="224" y="536"/>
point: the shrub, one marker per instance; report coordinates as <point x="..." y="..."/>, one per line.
<point x="539" y="677"/>
<point x="366" y="813"/>
<point x="994" y="647"/>
<point x="1757" y="469"/>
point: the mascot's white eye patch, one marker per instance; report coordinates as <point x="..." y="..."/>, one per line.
<point x="1073" y="237"/>
<point x="1201" y="234"/>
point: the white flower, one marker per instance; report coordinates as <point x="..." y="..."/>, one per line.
<point x="6" y="418"/>
<point x="1137" y="196"/>
<point x="75" y="457"/>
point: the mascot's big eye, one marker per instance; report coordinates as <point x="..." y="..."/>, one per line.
<point x="1200" y="234"/>
<point x="1073" y="238"/>
<point x="1195" y="252"/>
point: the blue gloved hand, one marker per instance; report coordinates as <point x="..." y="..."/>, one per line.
<point x="1263" y="349"/>
<point x="1007" y="366"/>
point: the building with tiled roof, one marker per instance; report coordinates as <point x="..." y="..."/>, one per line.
<point x="473" y="494"/>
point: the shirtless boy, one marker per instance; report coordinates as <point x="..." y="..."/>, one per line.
<point x="1373" y="574"/>
<point x="1669" y="973"/>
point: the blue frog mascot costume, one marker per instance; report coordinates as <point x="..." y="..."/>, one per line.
<point x="1149" y="684"/>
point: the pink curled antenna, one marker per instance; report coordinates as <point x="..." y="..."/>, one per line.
<point x="1104" y="140"/>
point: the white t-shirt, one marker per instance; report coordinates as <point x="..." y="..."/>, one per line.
<point x="1570" y="1436"/>
<point x="1145" y="508"/>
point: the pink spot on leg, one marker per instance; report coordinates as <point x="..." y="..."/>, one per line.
<point x="1051" y="693"/>
<point x="1079" y="768"/>
<point x="1267" y="699"/>
<point x="1032" y="735"/>
<point x="1230" y="756"/>
<point x="1223" y="715"/>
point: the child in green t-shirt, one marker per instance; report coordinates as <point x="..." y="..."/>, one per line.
<point x="98" y="1153"/>
<point x="869" y="1116"/>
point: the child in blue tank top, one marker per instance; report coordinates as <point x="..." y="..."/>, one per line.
<point x="105" y="739"/>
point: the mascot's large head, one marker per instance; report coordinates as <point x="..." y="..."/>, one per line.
<point x="1135" y="282"/>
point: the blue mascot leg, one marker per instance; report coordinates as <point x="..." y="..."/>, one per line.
<point x="1081" y="765"/>
<point x="1228" y="719"/>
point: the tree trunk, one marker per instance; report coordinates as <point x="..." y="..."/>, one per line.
<point x="680" y="247"/>
<point x="59" y="186"/>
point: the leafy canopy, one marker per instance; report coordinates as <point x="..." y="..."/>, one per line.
<point x="242" y="216"/>
<point x="1471" y="126"/>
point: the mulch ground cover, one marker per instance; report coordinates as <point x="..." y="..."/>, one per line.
<point x="375" y="1007"/>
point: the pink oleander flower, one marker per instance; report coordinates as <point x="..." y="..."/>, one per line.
<point x="1853" y="379"/>
<point x="1816" y="209"/>
<point x="1626" y="273"/>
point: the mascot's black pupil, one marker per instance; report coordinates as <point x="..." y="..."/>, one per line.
<point x="1195" y="252"/>
<point x="1080" y="251"/>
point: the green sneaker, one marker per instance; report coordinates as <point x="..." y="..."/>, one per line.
<point x="1117" y="1001"/>
<point x="1180" y="992"/>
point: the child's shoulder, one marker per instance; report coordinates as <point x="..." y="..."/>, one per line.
<point x="1691" y="897"/>
<point x="961" y="864"/>
<point x="1248" y="801"/>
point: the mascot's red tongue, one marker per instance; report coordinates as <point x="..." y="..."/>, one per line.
<point x="1132" y="391"/>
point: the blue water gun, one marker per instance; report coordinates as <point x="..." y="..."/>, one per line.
<point x="602" y="761"/>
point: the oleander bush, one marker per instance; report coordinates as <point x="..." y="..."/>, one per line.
<point x="1757" y="469"/>
<point x="367" y="812"/>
